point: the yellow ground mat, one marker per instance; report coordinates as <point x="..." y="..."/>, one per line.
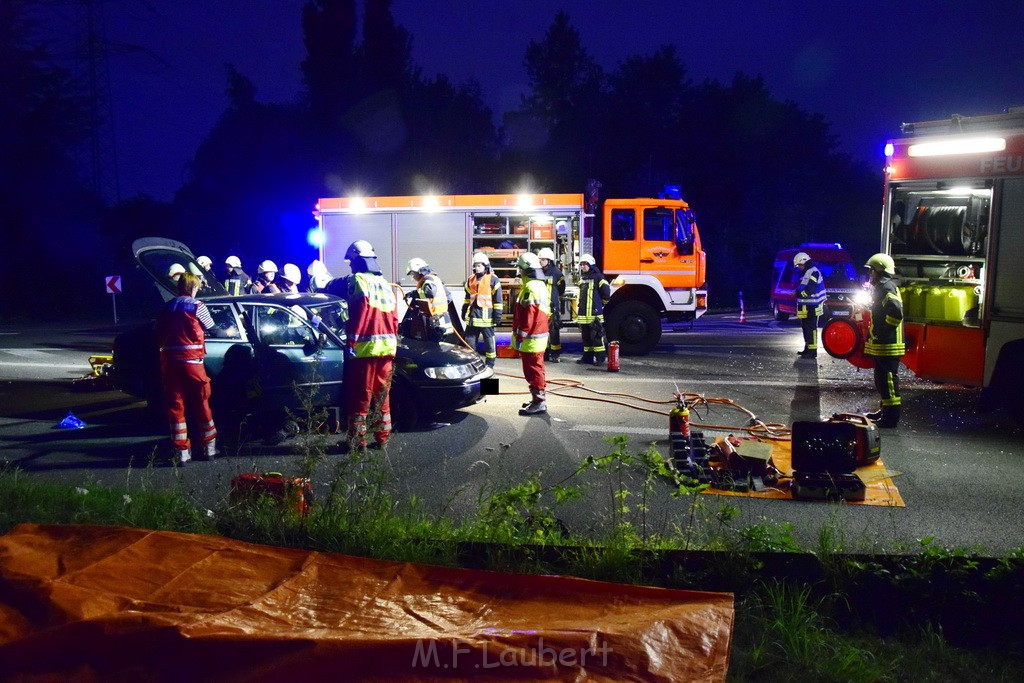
<point x="877" y="479"/>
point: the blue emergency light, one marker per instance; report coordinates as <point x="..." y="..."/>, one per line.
<point x="672" y="192"/>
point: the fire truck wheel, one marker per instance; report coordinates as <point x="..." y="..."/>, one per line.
<point x="777" y="314"/>
<point x="636" y="326"/>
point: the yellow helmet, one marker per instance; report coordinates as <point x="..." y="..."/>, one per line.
<point x="882" y="263"/>
<point x="529" y="260"/>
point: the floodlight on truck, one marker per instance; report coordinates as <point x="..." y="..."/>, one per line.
<point x="936" y="148"/>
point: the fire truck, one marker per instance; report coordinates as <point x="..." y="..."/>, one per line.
<point x="649" y="248"/>
<point x="953" y="221"/>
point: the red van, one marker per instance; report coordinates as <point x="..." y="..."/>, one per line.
<point x="836" y="266"/>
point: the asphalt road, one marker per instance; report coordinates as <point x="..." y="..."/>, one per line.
<point x="961" y="471"/>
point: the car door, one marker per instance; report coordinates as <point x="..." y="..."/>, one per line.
<point x="296" y="366"/>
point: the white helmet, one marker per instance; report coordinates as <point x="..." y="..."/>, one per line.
<point x="316" y="268"/>
<point x="587" y="258"/>
<point x="175" y="270"/>
<point x="529" y="260"/>
<point x="415" y="265"/>
<point x="547" y="253"/>
<point x="204" y="261"/>
<point x="267" y="266"/>
<point x="801" y="258"/>
<point x="360" y="248"/>
<point x="292" y="273"/>
<point x="233" y="261"/>
<point x="480" y="257"/>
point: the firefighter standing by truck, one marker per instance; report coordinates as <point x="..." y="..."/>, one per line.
<point x="810" y="302"/>
<point x="530" y="330"/>
<point x="885" y="337"/>
<point x="555" y="282"/>
<point x="594" y="294"/>
<point x="372" y="335"/>
<point x="181" y="333"/>
<point x="482" y="310"/>
<point x="430" y="301"/>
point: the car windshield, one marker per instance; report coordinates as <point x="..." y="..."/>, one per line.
<point x="333" y="314"/>
<point x="837" y="272"/>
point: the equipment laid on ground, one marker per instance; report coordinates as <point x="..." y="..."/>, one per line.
<point x="838" y="445"/>
<point x="249" y="487"/>
<point x="827" y="486"/>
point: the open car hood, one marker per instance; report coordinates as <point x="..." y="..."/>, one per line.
<point x="156" y="255"/>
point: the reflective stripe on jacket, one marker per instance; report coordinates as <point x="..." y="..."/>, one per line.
<point x="591" y="307"/>
<point x="180" y="329"/>
<point x="372" y="326"/>
<point x="530" y="318"/>
<point x="885" y="333"/>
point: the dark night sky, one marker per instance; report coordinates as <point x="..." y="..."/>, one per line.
<point x="866" y="66"/>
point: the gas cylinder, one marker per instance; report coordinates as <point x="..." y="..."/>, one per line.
<point x="613" y="356"/>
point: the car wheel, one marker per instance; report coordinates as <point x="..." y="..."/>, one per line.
<point x="636" y="326"/>
<point x="404" y="413"/>
<point x="778" y="314"/>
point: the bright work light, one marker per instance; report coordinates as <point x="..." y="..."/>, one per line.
<point x="962" y="146"/>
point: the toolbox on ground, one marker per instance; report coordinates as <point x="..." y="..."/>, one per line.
<point x="840" y="444"/>
<point x="248" y="487"/>
<point x="827" y="486"/>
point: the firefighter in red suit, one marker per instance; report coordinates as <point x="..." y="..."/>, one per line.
<point x="372" y="331"/>
<point x="530" y="330"/>
<point x="181" y="332"/>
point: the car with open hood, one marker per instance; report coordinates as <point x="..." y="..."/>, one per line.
<point x="269" y="354"/>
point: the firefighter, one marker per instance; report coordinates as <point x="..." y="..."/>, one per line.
<point x="318" y="276"/>
<point x="594" y="294"/>
<point x="530" y="316"/>
<point x="372" y="335"/>
<point x="205" y="262"/>
<point x="482" y="310"/>
<point x="885" y="337"/>
<point x="264" y="282"/>
<point x="291" y="276"/>
<point x="555" y="282"/>
<point x="810" y="302"/>
<point x="236" y="280"/>
<point x="430" y="300"/>
<point x="175" y="272"/>
<point x="181" y="333"/>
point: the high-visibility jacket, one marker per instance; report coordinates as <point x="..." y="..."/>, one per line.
<point x="433" y="297"/>
<point x="237" y="281"/>
<point x="530" y="317"/>
<point x="372" y="325"/>
<point x="594" y="294"/>
<point x="483" y="300"/>
<point x="810" y="293"/>
<point x="180" y="329"/>
<point x="885" y="333"/>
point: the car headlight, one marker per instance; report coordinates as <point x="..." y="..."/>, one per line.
<point x="449" y="372"/>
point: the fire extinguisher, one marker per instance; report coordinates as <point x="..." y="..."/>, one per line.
<point x="613" y="356"/>
<point x="679" y="430"/>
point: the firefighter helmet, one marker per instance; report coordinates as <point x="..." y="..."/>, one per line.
<point x="205" y="262"/>
<point x="267" y="266"/>
<point x="480" y="257"/>
<point x="175" y="270"/>
<point x="529" y="260"/>
<point x="416" y="265"/>
<point x="360" y="248"/>
<point x="292" y="273"/>
<point x="801" y="258"/>
<point x="233" y="261"/>
<point x="882" y="263"/>
<point x="587" y="258"/>
<point x="547" y="253"/>
<point x="316" y="269"/>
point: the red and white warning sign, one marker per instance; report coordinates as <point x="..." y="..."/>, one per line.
<point x="113" y="284"/>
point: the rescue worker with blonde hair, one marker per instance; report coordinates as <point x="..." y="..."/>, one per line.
<point x="530" y="330"/>
<point x="810" y="302"/>
<point x="372" y="335"/>
<point x="181" y="334"/>
<point x="555" y="282"/>
<point x="482" y="310"/>
<point x="885" y="338"/>
<point x="594" y="294"/>
<point x="430" y="301"/>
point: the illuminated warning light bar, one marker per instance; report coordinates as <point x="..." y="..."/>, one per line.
<point x="935" y="148"/>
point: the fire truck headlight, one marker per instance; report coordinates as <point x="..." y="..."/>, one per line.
<point x="863" y="297"/>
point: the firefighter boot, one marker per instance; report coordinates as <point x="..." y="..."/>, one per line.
<point x="537" y="406"/>
<point x="890" y="417"/>
<point x="874" y="416"/>
<point x="588" y="359"/>
<point x="808" y="353"/>
<point x="554" y="357"/>
<point x="601" y="359"/>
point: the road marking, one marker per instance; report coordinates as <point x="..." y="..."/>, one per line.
<point x="605" y="429"/>
<point x="41" y="354"/>
<point x="56" y="366"/>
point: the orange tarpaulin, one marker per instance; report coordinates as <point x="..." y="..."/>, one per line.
<point x="877" y="479"/>
<point x="101" y="603"/>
